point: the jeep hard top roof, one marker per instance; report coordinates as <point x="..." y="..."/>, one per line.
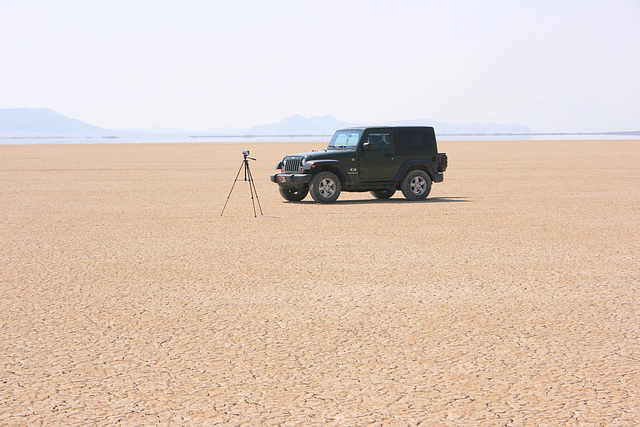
<point x="385" y="127"/>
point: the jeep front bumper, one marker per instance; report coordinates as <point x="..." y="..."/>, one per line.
<point x="291" y="180"/>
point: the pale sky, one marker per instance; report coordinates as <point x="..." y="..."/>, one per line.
<point x="200" y="64"/>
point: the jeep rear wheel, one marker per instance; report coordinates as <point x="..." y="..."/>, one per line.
<point x="293" y="195"/>
<point x="325" y="187"/>
<point x="383" y="194"/>
<point x="416" y="185"/>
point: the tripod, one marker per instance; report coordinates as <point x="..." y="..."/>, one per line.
<point x="252" y="186"/>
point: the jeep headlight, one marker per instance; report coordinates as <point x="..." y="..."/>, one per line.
<point x="304" y="160"/>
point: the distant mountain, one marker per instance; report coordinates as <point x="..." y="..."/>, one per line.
<point x="573" y="113"/>
<point x="455" y="128"/>
<point x="327" y="125"/>
<point x="156" y="130"/>
<point x="41" y="120"/>
<point x="299" y="125"/>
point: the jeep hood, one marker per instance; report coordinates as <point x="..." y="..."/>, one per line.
<point x="321" y="154"/>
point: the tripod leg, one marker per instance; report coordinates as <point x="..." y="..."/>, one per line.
<point x="247" y="173"/>
<point x="252" y="184"/>
<point x="234" y="184"/>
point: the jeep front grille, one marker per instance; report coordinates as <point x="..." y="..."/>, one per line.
<point x="292" y="164"/>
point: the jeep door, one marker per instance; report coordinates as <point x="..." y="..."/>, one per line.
<point x="376" y="157"/>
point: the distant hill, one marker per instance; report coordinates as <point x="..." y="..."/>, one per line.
<point x="41" y="120"/>
<point x="299" y="125"/>
<point x="573" y="113"/>
<point x="327" y="125"/>
<point x="455" y="128"/>
<point x="44" y="121"/>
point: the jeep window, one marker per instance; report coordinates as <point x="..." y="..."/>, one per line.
<point x="414" y="142"/>
<point x="345" y="139"/>
<point x="379" y="141"/>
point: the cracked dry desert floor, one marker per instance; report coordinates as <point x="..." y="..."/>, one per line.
<point x="510" y="297"/>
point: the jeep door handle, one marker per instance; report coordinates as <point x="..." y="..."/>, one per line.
<point x="388" y="155"/>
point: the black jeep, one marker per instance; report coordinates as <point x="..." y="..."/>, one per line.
<point x="376" y="159"/>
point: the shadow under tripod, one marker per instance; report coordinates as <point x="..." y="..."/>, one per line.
<point x="252" y="186"/>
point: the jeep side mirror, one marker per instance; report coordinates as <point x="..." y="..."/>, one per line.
<point x="367" y="146"/>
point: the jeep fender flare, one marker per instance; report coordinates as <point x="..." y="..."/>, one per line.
<point x="414" y="164"/>
<point x="315" y="166"/>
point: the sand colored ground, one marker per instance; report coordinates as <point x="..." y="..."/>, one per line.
<point x="510" y="297"/>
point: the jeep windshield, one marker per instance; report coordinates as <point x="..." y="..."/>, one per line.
<point x="344" y="139"/>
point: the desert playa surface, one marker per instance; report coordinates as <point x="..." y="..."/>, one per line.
<point x="509" y="297"/>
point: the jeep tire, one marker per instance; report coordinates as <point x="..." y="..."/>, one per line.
<point x="416" y="185"/>
<point x="383" y="194"/>
<point x="325" y="187"/>
<point x="293" y="195"/>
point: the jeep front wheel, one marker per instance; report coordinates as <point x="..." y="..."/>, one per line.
<point x="325" y="187"/>
<point x="293" y="195"/>
<point x="416" y="185"/>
